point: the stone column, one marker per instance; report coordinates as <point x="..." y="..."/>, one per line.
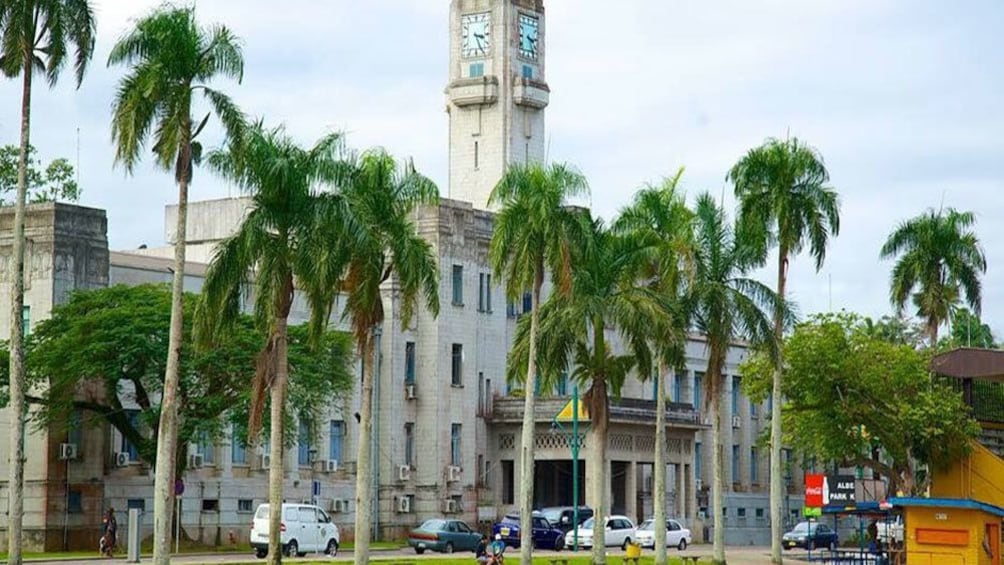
<point x="631" y="491"/>
<point x="225" y="461"/>
<point x="691" y="487"/>
<point x="681" y="492"/>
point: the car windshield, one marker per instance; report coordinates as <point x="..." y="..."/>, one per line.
<point x="553" y="516"/>
<point x="647" y="525"/>
<point x="588" y="524"/>
<point x="510" y="519"/>
<point x="801" y="528"/>
<point x="433" y="525"/>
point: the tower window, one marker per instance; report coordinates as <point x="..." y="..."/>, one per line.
<point x="527" y="72"/>
<point x="476" y="70"/>
<point x="476" y="154"/>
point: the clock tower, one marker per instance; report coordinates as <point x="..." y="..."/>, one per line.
<point x="497" y="92"/>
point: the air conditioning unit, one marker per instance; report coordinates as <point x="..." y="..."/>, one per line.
<point x="122" y="459"/>
<point x="341" y="505"/>
<point x="331" y="466"/>
<point x="450" y="506"/>
<point x="265" y="460"/>
<point x="453" y="473"/>
<point x="404" y="473"/>
<point x="404" y="504"/>
<point x="67" y="451"/>
<point x="195" y="461"/>
<point x="409" y="392"/>
<point x="736" y="420"/>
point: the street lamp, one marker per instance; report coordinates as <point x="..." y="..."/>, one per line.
<point x="575" y="443"/>
<point x="787" y="488"/>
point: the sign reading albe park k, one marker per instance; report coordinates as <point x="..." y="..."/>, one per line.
<point x="822" y="490"/>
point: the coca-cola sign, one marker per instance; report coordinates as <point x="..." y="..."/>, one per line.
<point x="821" y="490"/>
<point x="815" y="485"/>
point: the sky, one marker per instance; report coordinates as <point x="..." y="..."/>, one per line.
<point x="901" y="97"/>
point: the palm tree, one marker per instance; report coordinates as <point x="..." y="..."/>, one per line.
<point x="381" y="198"/>
<point x="940" y="258"/>
<point x="34" y="37"/>
<point x="784" y="200"/>
<point x="727" y="305"/>
<point x="604" y="293"/>
<point x="660" y="218"/>
<point x="276" y="249"/>
<point x="531" y="237"/>
<point x="171" y="58"/>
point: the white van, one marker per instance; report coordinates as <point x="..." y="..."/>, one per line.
<point x="305" y="529"/>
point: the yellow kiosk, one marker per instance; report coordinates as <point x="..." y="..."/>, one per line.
<point x="951" y="531"/>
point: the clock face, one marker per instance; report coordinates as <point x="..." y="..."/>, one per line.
<point x="476" y="29"/>
<point x="528" y="30"/>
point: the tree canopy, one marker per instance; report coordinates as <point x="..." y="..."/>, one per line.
<point x="47" y="183"/>
<point x="102" y="355"/>
<point x="855" y="398"/>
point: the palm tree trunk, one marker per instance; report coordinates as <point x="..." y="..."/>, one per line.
<point x="716" y="459"/>
<point x="17" y="402"/>
<point x="932" y="330"/>
<point x="660" y="466"/>
<point x="277" y="445"/>
<point x="777" y="489"/>
<point x="597" y="466"/>
<point x="529" y="423"/>
<point x="167" y="431"/>
<point x="364" y="477"/>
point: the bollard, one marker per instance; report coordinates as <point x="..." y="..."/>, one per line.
<point x="132" y="555"/>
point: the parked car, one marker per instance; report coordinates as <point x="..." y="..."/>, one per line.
<point x="810" y="536"/>
<point x="305" y="528"/>
<point x="676" y="535"/>
<point x="890" y="530"/>
<point x="619" y="531"/>
<point x="444" y="536"/>
<point x="545" y="535"/>
<point x="563" y="517"/>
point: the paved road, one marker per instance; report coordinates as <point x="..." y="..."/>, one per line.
<point x="736" y="556"/>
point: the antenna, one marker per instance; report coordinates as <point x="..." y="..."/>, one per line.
<point x="78" y="158"/>
<point x="829" y="278"/>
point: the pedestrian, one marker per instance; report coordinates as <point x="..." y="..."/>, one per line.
<point x="497" y="551"/>
<point x="109" y="531"/>
<point x="481" y="553"/>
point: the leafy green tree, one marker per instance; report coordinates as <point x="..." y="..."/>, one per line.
<point x="276" y="249"/>
<point x="531" y="237"/>
<point x="968" y="330"/>
<point x="382" y="243"/>
<point x="939" y="259"/>
<point x="36" y="36"/>
<point x="605" y="293"/>
<point x="727" y="306"/>
<point x="857" y="399"/>
<point x="53" y="182"/>
<point x="660" y="219"/>
<point x="784" y="200"/>
<point x="171" y="58"/>
<point x="107" y="341"/>
<point x="895" y="329"/>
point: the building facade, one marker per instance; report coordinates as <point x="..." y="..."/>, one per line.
<point x="445" y="421"/>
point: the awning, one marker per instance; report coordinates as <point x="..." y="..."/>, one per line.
<point x="960" y="503"/>
<point x="970" y="363"/>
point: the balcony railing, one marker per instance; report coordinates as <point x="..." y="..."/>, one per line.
<point x="509" y="409"/>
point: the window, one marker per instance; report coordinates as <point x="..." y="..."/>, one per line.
<point x="137" y="503"/>
<point x="697" y="460"/>
<point x="238" y="451"/>
<point x="698" y="390"/>
<point x="754" y="410"/>
<point x="735" y="463"/>
<point x="303" y="445"/>
<point x="409" y="362"/>
<point x="488" y="394"/>
<point x="133" y="417"/>
<point x="527" y="72"/>
<point x="561" y="387"/>
<point x="759" y="513"/>
<point x="307" y="515"/>
<point x="527" y="302"/>
<point x="510" y="309"/>
<point x="754" y="466"/>
<point x="741" y="513"/>
<point x="207" y="448"/>
<point x="735" y="396"/>
<point x="508" y="488"/>
<point x="455" y="456"/>
<point x="477" y="70"/>
<point x="677" y="387"/>
<point x="458" y="283"/>
<point x="75" y="502"/>
<point x="210" y="505"/>
<point x="25" y="321"/>
<point x="485" y="292"/>
<point x="409" y="444"/>
<point x="655" y="385"/>
<point x="245" y="505"/>
<point x="477" y="470"/>
<point x="476" y="154"/>
<point x="336" y="439"/>
<point x="75" y="429"/>
<point x="770" y="404"/>
<point x="457" y="366"/>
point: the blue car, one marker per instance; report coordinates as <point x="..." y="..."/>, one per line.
<point x="545" y="535"/>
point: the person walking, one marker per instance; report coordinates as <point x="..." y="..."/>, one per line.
<point x="109" y="531"/>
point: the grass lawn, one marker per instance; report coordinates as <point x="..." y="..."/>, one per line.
<point x="469" y="560"/>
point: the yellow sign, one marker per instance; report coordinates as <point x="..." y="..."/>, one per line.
<point x="566" y="413"/>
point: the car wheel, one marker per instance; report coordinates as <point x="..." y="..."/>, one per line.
<point x="627" y="542"/>
<point x="683" y="545"/>
<point x="292" y="550"/>
<point x="332" y="549"/>
<point x="420" y="550"/>
<point x="260" y="553"/>
<point x="559" y="543"/>
<point x="449" y="547"/>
